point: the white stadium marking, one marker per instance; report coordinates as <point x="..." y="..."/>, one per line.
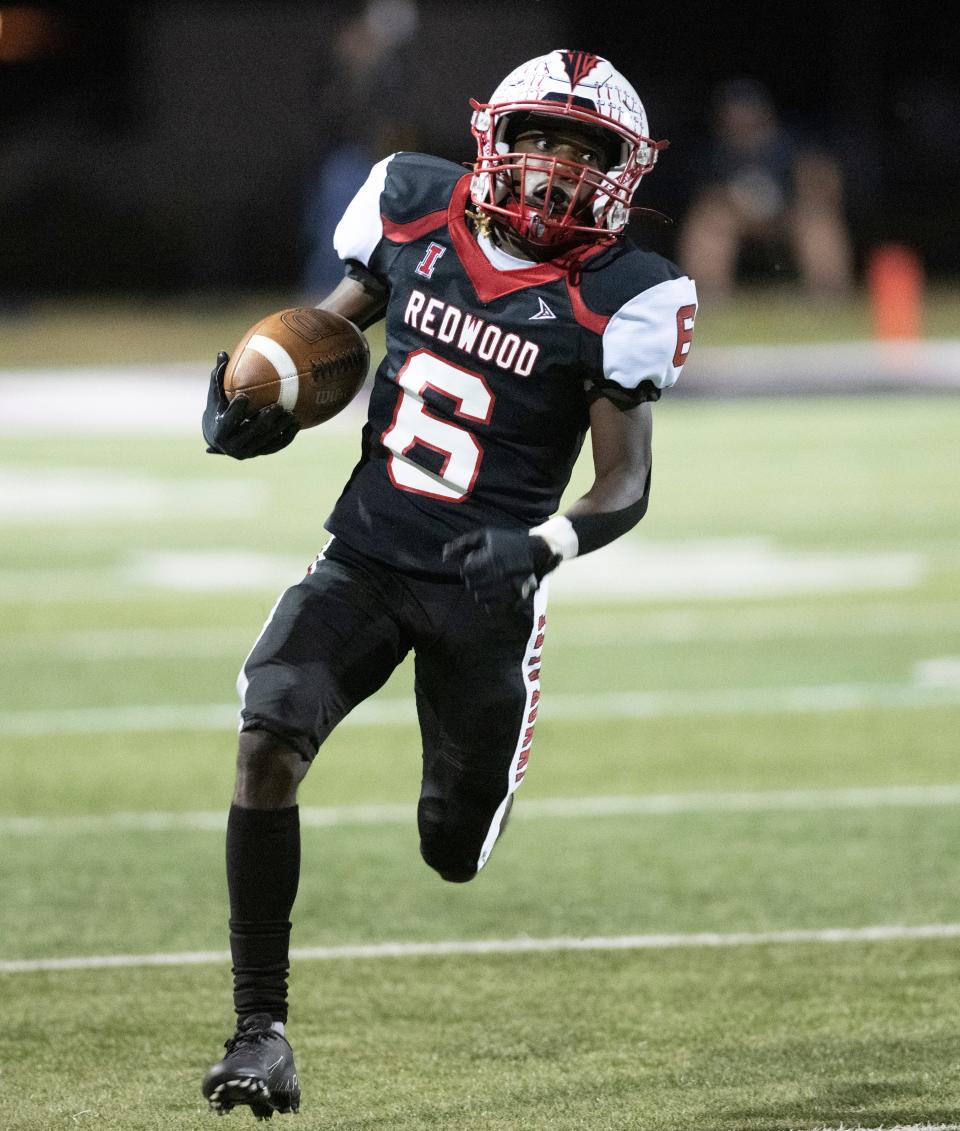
<point x="120" y="399"/>
<point x="679" y="626"/>
<point x="623" y="805"/>
<point x="194" y="572"/>
<point x="629" y="570"/>
<point x="632" y="571"/>
<point x="557" y="706"/>
<point x="896" y="1127"/>
<point x="941" y="671"/>
<point x="640" y="569"/>
<point x="132" y="643"/>
<point x="117" y="400"/>
<point x="828" y="367"/>
<point x="285" y="366"/>
<point x="523" y="945"/>
<point x="77" y="495"/>
<point x="684" y="626"/>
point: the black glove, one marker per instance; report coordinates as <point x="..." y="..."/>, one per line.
<point x="231" y="429"/>
<point x="501" y="568"/>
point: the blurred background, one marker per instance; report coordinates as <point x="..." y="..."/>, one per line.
<point x="206" y="148"/>
<point x="751" y="703"/>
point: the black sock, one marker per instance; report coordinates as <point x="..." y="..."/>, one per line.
<point x="263" y="871"/>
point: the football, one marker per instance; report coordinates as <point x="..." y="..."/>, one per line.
<point x="312" y="362"/>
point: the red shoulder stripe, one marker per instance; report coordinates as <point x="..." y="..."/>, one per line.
<point x="413" y="229"/>
<point x="584" y="315"/>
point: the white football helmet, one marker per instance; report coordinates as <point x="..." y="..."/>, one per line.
<point x="578" y="88"/>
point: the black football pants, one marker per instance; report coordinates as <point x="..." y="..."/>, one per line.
<point x="334" y="639"/>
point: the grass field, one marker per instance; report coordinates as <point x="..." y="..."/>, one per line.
<point x="750" y="731"/>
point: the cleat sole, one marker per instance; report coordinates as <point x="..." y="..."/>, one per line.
<point x="247" y="1092"/>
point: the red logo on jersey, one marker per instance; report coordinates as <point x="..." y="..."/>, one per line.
<point x="427" y="265"/>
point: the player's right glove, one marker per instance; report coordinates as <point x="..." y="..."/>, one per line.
<point x="231" y="429"/>
<point x="501" y="568"/>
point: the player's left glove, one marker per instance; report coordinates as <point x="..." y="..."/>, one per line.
<point x="231" y="429"/>
<point x="501" y="568"/>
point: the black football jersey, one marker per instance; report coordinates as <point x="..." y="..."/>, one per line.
<point x="480" y="407"/>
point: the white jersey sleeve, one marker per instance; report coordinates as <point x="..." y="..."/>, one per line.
<point x="361" y="226"/>
<point x="648" y="338"/>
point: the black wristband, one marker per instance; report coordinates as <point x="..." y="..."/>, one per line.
<point x="596" y="530"/>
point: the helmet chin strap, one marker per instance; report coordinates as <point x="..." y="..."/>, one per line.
<point x="528" y="224"/>
<point x="512" y="241"/>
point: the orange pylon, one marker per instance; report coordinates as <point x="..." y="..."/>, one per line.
<point x="895" y="281"/>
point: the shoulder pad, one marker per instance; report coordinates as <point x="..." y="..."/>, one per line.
<point x="621" y="273"/>
<point x="643" y="307"/>
<point x="401" y="189"/>
<point x="418" y="184"/>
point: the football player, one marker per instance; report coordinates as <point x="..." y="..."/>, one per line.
<point x="518" y="318"/>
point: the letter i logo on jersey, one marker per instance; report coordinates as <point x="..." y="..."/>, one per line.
<point x="427" y="265"/>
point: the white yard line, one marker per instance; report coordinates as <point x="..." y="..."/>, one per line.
<point x="144" y="719"/>
<point x="683" y="626"/>
<point x="630" y="571"/>
<point x="557" y="706"/>
<point x="153" y="643"/>
<point x="897" y="1127"/>
<point x="650" y="805"/>
<point x="676" y="626"/>
<point x="120" y="399"/>
<point x="884" y="933"/>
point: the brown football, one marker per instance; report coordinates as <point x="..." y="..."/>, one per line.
<point x="313" y="362"/>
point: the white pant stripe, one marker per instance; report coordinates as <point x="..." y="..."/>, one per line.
<point x="530" y="674"/>
<point x="242" y="682"/>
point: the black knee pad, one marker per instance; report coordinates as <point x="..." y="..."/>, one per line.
<point x="445" y="846"/>
<point x="445" y="871"/>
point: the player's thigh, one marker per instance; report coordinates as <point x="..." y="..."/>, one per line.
<point x="330" y="642"/>
<point x="478" y="693"/>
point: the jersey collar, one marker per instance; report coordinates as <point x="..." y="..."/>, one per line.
<point x="488" y="281"/>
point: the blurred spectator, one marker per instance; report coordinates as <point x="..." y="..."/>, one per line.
<point x="760" y="189"/>
<point x="362" y="97"/>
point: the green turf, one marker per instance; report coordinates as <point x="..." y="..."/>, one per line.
<point x="559" y="877"/>
<point x="766" y="1038"/>
<point x="759" y="1039"/>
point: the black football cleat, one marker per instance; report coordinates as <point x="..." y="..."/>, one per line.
<point x="258" y="1071"/>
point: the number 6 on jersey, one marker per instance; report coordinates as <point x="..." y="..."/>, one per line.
<point x="413" y="424"/>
